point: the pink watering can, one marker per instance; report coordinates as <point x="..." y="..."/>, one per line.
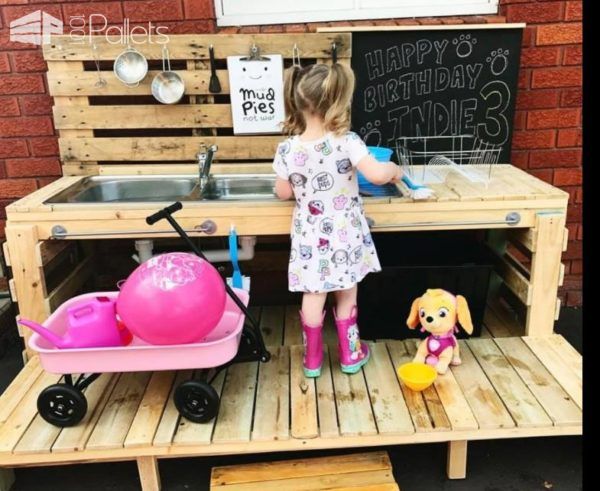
<point x="91" y="324"/>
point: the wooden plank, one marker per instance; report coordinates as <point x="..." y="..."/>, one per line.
<point x="561" y="275"/>
<point x="195" y="46"/>
<point x="119" y="412"/>
<point x="518" y="399"/>
<point x="497" y="328"/>
<point x="237" y="403"/>
<point x="505" y="316"/>
<point x="312" y="483"/>
<point x="545" y="270"/>
<point x="29" y="279"/>
<point x="272" y="412"/>
<point x="165" y="148"/>
<point x="328" y="422"/>
<point x="390" y="410"/>
<point x="38" y="438"/>
<point x="352" y="401"/>
<point x="289" y="469"/>
<point x="148" y="416"/>
<point x="527" y="237"/>
<point x="71" y="285"/>
<point x="293" y="329"/>
<point x="168" y="422"/>
<point x="304" y="421"/>
<point x="19" y="420"/>
<point x="143" y="116"/>
<point x="73" y="439"/>
<point x="432" y="399"/>
<point x="565" y="374"/>
<point x="565" y="239"/>
<point x="540" y="382"/>
<point x="189" y="433"/>
<point x="6" y="253"/>
<point x="148" y="472"/>
<point x="47" y="250"/>
<point x="456" y="466"/>
<point x="19" y="387"/>
<point x="12" y="290"/>
<point x="487" y="407"/>
<point x="414" y="400"/>
<point x="83" y="83"/>
<point x="567" y="352"/>
<point x="514" y="279"/>
<point x="271" y="325"/>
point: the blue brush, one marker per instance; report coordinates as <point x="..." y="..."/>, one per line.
<point x="418" y="191"/>
<point x="236" y="278"/>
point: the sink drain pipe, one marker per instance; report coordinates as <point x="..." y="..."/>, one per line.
<point x="144" y="248"/>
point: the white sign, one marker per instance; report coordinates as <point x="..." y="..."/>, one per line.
<point x="35" y="28"/>
<point x="256" y="88"/>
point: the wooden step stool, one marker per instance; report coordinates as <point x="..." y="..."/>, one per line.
<point x="357" y="472"/>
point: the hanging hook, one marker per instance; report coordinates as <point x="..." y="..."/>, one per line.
<point x="296" y="56"/>
<point x="334" y="52"/>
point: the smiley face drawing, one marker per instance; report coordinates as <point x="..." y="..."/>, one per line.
<point x="257" y="70"/>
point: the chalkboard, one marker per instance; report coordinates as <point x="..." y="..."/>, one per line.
<point x="436" y="83"/>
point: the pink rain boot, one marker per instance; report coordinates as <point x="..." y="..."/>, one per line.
<point x="353" y="353"/>
<point x="312" y="337"/>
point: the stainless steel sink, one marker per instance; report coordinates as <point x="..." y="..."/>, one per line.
<point x="221" y="187"/>
<point x="132" y="189"/>
<point x="240" y="187"/>
<point x="125" y="189"/>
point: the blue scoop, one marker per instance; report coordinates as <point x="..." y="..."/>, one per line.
<point x="236" y="278"/>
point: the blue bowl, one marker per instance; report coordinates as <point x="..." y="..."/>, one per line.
<point x="381" y="154"/>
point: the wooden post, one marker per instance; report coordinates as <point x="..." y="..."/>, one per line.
<point x="27" y="274"/>
<point x="545" y="273"/>
<point x="149" y="475"/>
<point x="456" y="467"/>
<point x="7" y="479"/>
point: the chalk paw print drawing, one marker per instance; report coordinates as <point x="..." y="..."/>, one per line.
<point x="498" y="61"/>
<point x="371" y="133"/>
<point x="464" y="45"/>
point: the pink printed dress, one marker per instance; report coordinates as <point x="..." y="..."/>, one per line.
<point x="332" y="248"/>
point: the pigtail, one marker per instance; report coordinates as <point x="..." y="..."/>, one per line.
<point x="336" y="97"/>
<point x="294" y="122"/>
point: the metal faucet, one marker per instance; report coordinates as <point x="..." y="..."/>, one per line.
<point x="205" y="158"/>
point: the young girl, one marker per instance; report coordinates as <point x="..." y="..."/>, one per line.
<point x="332" y="249"/>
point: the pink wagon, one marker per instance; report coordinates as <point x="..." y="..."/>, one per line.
<point x="231" y="341"/>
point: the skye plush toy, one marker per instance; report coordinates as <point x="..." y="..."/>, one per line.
<point x="438" y="312"/>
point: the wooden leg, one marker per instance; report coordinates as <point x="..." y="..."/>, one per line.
<point x="27" y="274"/>
<point x="456" y="467"/>
<point x="545" y="273"/>
<point x="149" y="476"/>
<point x="7" y="479"/>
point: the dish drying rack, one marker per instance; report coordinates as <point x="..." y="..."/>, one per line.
<point x="468" y="155"/>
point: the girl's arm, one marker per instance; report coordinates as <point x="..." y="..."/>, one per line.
<point x="283" y="188"/>
<point x="378" y="172"/>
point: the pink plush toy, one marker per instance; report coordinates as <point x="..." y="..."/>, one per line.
<point x="438" y="312"/>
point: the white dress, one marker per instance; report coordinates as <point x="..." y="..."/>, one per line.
<point x="332" y="248"/>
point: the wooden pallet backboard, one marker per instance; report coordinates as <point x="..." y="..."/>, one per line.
<point x="120" y="125"/>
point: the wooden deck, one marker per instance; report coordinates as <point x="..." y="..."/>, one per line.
<point x="505" y="388"/>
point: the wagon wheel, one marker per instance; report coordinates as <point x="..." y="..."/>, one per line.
<point x="62" y="405"/>
<point x="196" y="400"/>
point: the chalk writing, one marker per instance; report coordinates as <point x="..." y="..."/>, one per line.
<point x="442" y="83"/>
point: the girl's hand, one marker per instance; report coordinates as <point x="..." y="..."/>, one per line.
<point x="398" y="176"/>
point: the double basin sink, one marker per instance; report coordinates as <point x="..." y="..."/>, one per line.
<point x="135" y="189"/>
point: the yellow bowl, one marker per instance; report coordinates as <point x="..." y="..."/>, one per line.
<point x="417" y="376"/>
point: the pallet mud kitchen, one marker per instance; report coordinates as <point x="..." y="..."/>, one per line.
<point x="189" y="167"/>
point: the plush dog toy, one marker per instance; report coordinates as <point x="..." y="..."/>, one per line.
<point x="438" y="312"/>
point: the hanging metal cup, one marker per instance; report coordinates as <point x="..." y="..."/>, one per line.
<point x="167" y="86"/>
<point x="131" y="67"/>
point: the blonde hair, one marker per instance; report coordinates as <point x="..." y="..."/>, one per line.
<point x="318" y="89"/>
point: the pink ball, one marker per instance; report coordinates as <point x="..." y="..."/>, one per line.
<point x="173" y="298"/>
